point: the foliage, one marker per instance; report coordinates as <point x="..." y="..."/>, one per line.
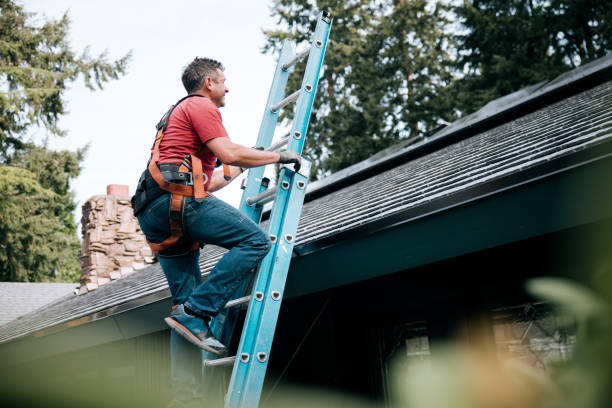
<point x="38" y="239"/>
<point x="54" y="170"/>
<point x="384" y="70"/>
<point x="507" y="45"/>
<point x="393" y="72"/>
<point x="34" y="243"/>
<point x="585" y="382"/>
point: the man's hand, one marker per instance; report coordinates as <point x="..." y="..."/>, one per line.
<point x="287" y="156"/>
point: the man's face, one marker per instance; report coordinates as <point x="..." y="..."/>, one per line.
<point x="218" y="90"/>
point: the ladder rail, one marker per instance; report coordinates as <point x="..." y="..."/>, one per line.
<point x="223" y="325"/>
<point x="310" y="83"/>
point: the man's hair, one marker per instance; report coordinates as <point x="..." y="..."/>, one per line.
<point x="197" y="70"/>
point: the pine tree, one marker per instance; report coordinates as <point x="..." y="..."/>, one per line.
<point x="38" y="239"/>
<point x="37" y="230"/>
<point x="384" y="68"/>
<point x="507" y="45"/>
<point x="583" y="29"/>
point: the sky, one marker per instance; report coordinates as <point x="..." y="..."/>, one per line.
<point x="118" y="122"/>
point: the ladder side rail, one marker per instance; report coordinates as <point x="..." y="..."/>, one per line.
<point x="310" y="82"/>
<point x="274" y="295"/>
<point x="268" y="125"/>
<point x="254" y="185"/>
<point x="254" y="313"/>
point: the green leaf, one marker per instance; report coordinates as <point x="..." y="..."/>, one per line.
<point x="576" y="299"/>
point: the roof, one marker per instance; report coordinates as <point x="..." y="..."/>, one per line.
<point x="501" y="110"/>
<point x="517" y="136"/>
<point x="20" y="298"/>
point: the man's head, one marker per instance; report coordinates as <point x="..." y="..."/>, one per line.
<point x="205" y="76"/>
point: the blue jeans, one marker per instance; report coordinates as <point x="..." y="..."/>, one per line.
<point x="210" y="221"/>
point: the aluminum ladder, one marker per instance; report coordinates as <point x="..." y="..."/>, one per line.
<point x="251" y="360"/>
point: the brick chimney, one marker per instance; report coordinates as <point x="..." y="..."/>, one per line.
<point x="113" y="245"/>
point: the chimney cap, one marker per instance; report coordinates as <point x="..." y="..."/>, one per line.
<point x="118" y="190"/>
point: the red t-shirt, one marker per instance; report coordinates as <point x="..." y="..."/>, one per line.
<point x="193" y="122"/>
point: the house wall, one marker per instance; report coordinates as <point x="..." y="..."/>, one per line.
<point x="125" y="373"/>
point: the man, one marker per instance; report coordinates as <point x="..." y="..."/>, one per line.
<point x="195" y="133"/>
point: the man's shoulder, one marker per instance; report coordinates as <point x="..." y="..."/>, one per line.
<point x="200" y="103"/>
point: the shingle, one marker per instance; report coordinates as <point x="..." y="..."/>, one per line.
<point x="19" y="298"/>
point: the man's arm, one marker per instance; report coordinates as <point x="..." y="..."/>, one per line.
<point x="238" y="155"/>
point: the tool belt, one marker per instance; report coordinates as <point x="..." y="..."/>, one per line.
<point x="180" y="180"/>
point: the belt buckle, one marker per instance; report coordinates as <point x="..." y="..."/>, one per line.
<point x="189" y="179"/>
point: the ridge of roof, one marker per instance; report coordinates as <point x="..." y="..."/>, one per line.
<point x="501" y="109"/>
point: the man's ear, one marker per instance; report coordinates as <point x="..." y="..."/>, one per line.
<point x="208" y="83"/>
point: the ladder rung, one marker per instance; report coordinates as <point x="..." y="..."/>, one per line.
<point x="239" y="301"/>
<point x="282" y="142"/>
<point x="291" y="98"/>
<point x="298" y="57"/>
<point x="225" y="361"/>
<point x="262" y="198"/>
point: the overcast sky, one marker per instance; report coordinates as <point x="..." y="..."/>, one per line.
<point x="118" y="122"/>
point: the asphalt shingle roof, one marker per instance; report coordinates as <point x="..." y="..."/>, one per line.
<point x="20" y="298"/>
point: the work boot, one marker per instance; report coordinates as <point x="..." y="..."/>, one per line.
<point x="194" y="329"/>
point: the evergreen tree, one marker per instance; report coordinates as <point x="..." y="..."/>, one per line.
<point x="53" y="170"/>
<point x="37" y="231"/>
<point x="38" y="239"/>
<point x="384" y="68"/>
<point x="509" y="44"/>
<point x="582" y="28"/>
